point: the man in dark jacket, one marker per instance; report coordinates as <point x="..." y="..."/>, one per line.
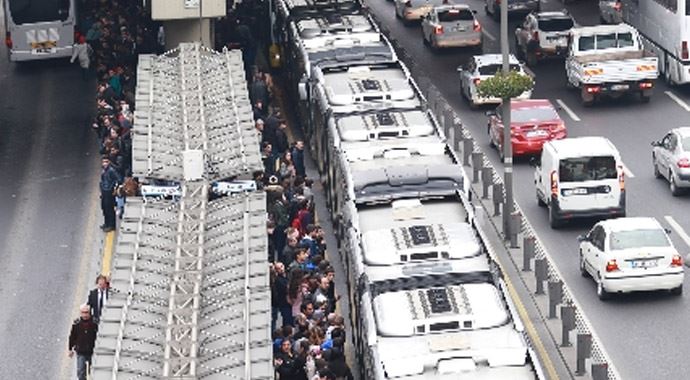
<point x="298" y="159"/>
<point x="98" y="297"/>
<point x="280" y="288"/>
<point x="280" y="142"/>
<point x="82" y="339"/>
<point x="109" y="179"/>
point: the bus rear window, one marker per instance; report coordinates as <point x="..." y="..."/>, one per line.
<point x="580" y="169"/>
<point x="33" y="11"/>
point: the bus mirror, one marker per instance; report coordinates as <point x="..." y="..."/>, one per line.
<point x="302" y="89"/>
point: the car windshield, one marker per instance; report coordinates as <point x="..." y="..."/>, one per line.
<point x="493" y="69"/>
<point x="455" y="15"/>
<point x="555" y="24"/>
<point x="685" y="141"/>
<point x="638" y="239"/>
<point x="525" y="115"/>
<point x="579" y="169"/>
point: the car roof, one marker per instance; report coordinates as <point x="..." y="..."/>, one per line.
<point x="683" y="131"/>
<point x="600" y="29"/>
<point x="530" y="103"/>
<point x="493" y="59"/>
<point x="631" y="223"/>
<point x="553" y="14"/>
<point x="584" y="146"/>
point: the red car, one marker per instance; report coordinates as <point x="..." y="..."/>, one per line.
<point x="533" y="122"/>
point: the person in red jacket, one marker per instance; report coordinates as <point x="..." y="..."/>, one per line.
<point x="82" y="339"/>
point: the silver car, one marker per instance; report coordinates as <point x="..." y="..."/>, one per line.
<point x="493" y="7"/>
<point x="411" y="11"/>
<point x="451" y="26"/>
<point x="671" y="159"/>
<point x="610" y="11"/>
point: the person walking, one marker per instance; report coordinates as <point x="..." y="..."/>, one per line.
<point x="82" y="339"/>
<point x="109" y="180"/>
<point x="98" y="297"/>
<point x="82" y="50"/>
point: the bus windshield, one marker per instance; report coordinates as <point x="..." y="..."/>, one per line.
<point x="33" y="11"/>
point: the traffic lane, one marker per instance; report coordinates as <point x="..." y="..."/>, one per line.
<point x="562" y="244"/>
<point x="47" y="191"/>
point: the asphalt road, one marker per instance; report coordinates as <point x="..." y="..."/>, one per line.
<point x="643" y="333"/>
<point x="48" y="213"/>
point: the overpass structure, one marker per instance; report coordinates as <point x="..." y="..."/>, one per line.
<point x="190" y="292"/>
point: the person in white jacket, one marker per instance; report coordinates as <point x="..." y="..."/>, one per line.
<point x="82" y="50"/>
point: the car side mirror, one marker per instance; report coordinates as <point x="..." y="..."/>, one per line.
<point x="582" y="238"/>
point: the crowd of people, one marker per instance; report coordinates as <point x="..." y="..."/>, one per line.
<point x="310" y="339"/>
<point x="309" y="343"/>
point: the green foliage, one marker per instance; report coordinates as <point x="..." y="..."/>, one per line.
<point x="502" y="85"/>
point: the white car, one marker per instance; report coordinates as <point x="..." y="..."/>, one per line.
<point x="630" y="254"/>
<point x="451" y="26"/>
<point x="671" y="159"/>
<point x="482" y="67"/>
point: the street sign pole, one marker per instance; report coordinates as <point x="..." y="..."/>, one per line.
<point x="508" y="206"/>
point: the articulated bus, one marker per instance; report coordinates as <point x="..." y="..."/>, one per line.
<point x="665" y="24"/>
<point x="39" y="29"/>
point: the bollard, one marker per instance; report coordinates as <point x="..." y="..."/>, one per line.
<point x="477" y="164"/>
<point x="497" y="193"/>
<point x="515" y="227"/>
<point x="487" y="180"/>
<point x="555" y="297"/>
<point x="584" y="351"/>
<point x="450" y="136"/>
<point x="529" y="246"/>
<point x="600" y="371"/>
<point x="541" y="273"/>
<point x="567" y="324"/>
<point x="466" y="150"/>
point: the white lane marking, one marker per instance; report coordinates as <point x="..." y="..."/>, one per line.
<point x="679" y="230"/>
<point x="567" y="109"/>
<point x="678" y="100"/>
<point x="489" y="35"/>
<point x="627" y="171"/>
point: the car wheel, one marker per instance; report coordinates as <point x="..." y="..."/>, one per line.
<point x="675" y="190"/>
<point x="554" y="221"/>
<point x="583" y="270"/>
<point x="601" y="291"/>
<point x="657" y="173"/>
<point x="540" y="202"/>
<point x="677" y="291"/>
<point x="587" y="99"/>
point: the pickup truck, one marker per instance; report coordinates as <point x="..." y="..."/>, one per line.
<point x="609" y="60"/>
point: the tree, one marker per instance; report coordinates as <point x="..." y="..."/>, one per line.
<point x="504" y="86"/>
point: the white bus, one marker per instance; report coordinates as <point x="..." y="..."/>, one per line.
<point x="665" y="25"/>
<point x="39" y="29"/>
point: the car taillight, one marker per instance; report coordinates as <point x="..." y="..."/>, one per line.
<point x="554" y="183"/>
<point x="683" y="163"/>
<point x="621" y="177"/>
<point x="593" y="89"/>
<point x="8" y="40"/>
<point x="477" y="26"/>
<point x="646" y="85"/>
<point x="676" y="261"/>
<point x="477" y="81"/>
<point x="684" y="50"/>
<point x="611" y="265"/>
<point x="438" y="29"/>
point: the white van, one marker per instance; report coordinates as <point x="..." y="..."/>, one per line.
<point x="580" y="177"/>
